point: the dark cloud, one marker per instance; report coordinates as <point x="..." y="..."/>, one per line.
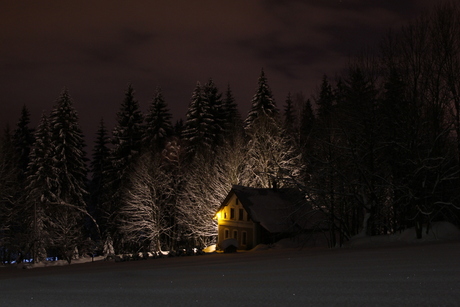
<point x="285" y="57"/>
<point x="115" y="50"/>
<point x="135" y="38"/>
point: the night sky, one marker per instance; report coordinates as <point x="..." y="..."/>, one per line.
<point x="95" y="48"/>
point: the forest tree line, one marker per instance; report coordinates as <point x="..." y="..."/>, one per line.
<point x="377" y="149"/>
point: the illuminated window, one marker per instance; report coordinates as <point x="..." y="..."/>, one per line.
<point x="241" y="214"/>
<point x="226" y="233"/>
<point x="235" y="234"/>
<point x="244" y="238"/>
<point x="232" y="213"/>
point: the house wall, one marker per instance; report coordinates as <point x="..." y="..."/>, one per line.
<point x="234" y="222"/>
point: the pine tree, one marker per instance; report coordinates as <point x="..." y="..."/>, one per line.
<point x="359" y="125"/>
<point x="69" y="161"/>
<point x="40" y="190"/>
<point x="233" y="121"/>
<point x="263" y="104"/>
<point x="179" y="127"/>
<point x="10" y="219"/>
<point x="199" y="132"/>
<point x="69" y="154"/>
<point x="23" y="141"/>
<point x="99" y="167"/>
<point x="100" y="158"/>
<point x="325" y="100"/>
<point x="127" y="135"/>
<point x="270" y="157"/>
<point x="158" y="124"/>
<point x="217" y="112"/>
<point x="127" y="145"/>
<point x="289" y="117"/>
<point x="307" y="121"/>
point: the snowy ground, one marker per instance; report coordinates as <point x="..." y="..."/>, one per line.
<point x="426" y="274"/>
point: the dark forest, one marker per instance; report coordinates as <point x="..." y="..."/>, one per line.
<point x="376" y="149"/>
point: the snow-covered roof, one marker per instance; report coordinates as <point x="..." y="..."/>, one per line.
<point x="277" y="210"/>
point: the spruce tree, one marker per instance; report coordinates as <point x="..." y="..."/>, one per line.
<point x="289" y="117"/>
<point x="307" y="121"/>
<point x="100" y="158"/>
<point x="10" y="218"/>
<point x="325" y="100"/>
<point x="263" y="104"/>
<point x="233" y="122"/>
<point x="158" y="124"/>
<point x="217" y="112"/>
<point x="199" y="131"/>
<point x="69" y="155"/>
<point x="270" y="157"/>
<point x="178" y="128"/>
<point x="127" y="135"/>
<point x="23" y="141"/>
<point x="99" y="167"/>
<point x="359" y="126"/>
<point x="127" y="144"/>
<point x="40" y="190"/>
<point x="69" y="161"/>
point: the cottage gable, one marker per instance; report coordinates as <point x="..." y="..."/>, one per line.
<point x="235" y="223"/>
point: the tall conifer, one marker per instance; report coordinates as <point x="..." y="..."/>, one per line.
<point x="263" y="104"/>
<point x="99" y="167"/>
<point x="233" y="121"/>
<point x="158" y="124"/>
<point x="69" y="162"/>
<point x="23" y="141"/>
<point x="289" y="117"/>
<point x="40" y="190"/>
<point x="127" y="135"/>
<point x="198" y="132"/>
<point x="127" y="144"/>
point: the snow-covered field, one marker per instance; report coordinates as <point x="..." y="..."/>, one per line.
<point x="409" y="274"/>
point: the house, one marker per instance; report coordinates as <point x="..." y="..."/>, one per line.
<point x="250" y="216"/>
